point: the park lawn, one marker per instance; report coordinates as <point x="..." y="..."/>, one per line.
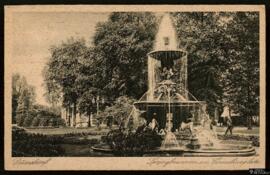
<point x="67" y="130"/>
<point x="239" y="130"/>
<point x="76" y="150"/>
<point x="82" y="150"/>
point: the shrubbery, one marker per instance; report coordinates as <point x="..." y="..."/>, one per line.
<point x="119" y="110"/>
<point x="28" y="145"/>
<point x="127" y="143"/>
<point x="28" y="121"/>
<point x="35" y="121"/>
<point x="40" y="116"/>
<point x="242" y="121"/>
<point x="20" y="119"/>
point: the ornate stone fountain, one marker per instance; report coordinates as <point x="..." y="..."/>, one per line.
<point x="174" y="108"/>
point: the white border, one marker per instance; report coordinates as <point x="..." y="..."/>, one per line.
<point x="113" y="163"/>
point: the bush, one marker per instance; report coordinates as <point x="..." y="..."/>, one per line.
<point x="40" y="116"/>
<point x="133" y="143"/>
<point x="44" y="121"/>
<point x="29" y="145"/>
<point x="79" y="141"/>
<point x="28" y="121"/>
<point x="60" y="122"/>
<point x="119" y="110"/>
<point x="20" y="119"/>
<point x="51" y="122"/>
<point x="35" y="122"/>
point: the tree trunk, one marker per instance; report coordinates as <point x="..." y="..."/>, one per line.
<point x="89" y="118"/>
<point x="74" y="114"/>
<point x="80" y="117"/>
<point x="70" y="115"/>
<point x="249" y="123"/>
<point x="66" y="120"/>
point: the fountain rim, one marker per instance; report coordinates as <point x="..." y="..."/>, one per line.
<point x="242" y="151"/>
<point x="167" y="50"/>
<point x="166" y="102"/>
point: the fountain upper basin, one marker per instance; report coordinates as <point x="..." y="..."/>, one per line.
<point x="167" y="54"/>
<point x="144" y="104"/>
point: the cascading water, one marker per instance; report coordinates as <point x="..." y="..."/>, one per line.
<point x="167" y="56"/>
<point x="170" y="141"/>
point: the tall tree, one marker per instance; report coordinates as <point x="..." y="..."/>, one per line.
<point x="63" y="71"/>
<point x="202" y="36"/>
<point x="122" y="44"/>
<point x="223" y="55"/>
<point x="110" y="67"/>
<point x="88" y="83"/>
<point x="242" y="78"/>
<point x="222" y="59"/>
<point x="16" y="92"/>
<point x="53" y="89"/>
<point x="23" y="98"/>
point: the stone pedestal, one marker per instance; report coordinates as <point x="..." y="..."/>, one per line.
<point x="194" y="143"/>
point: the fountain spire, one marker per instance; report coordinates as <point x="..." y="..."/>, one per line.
<point x="166" y="38"/>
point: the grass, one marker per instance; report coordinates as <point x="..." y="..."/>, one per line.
<point x="62" y="131"/>
<point x="239" y="130"/>
<point x="75" y="145"/>
<point x="67" y="130"/>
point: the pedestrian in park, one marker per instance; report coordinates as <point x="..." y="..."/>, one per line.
<point x="213" y="125"/>
<point x="220" y="121"/>
<point x="229" y="125"/>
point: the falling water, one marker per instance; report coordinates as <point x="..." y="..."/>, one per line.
<point x="152" y="65"/>
<point x="206" y="136"/>
<point x="170" y="141"/>
<point x="166" y="39"/>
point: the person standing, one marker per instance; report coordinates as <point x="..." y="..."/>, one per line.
<point x="213" y="125"/>
<point x="229" y="125"/>
<point x="220" y="121"/>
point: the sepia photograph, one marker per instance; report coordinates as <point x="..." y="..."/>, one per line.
<point x="106" y="87"/>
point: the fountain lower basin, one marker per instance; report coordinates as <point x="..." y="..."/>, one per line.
<point x="223" y="150"/>
<point x="229" y="152"/>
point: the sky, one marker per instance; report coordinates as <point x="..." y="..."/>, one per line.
<point x="35" y="32"/>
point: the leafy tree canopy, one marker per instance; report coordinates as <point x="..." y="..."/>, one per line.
<point x="223" y="59"/>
